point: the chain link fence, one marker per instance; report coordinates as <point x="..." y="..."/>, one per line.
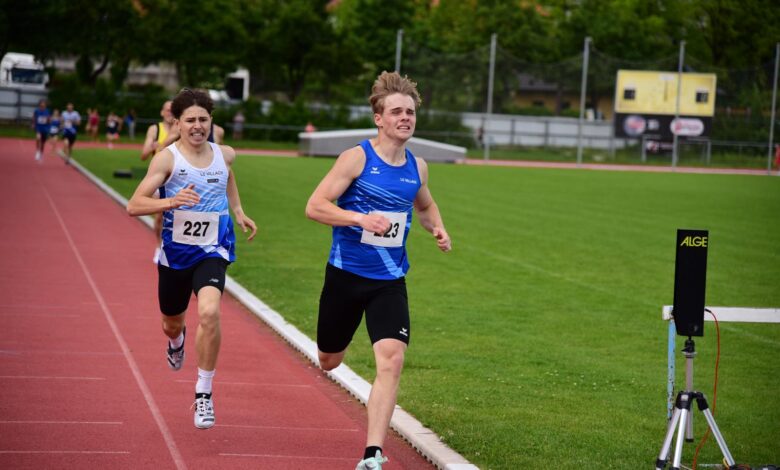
<point x="536" y="107"/>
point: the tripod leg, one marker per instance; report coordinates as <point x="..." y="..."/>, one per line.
<point x="678" y="446"/>
<point x="664" y="455"/>
<point x="717" y="434"/>
<point x="689" y="386"/>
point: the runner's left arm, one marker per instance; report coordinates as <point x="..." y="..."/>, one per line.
<point x="428" y="211"/>
<point x="234" y="199"/>
<point x="143" y="203"/>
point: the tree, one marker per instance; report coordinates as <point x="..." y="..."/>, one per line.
<point x="30" y="26"/>
<point x="203" y="38"/>
<point x="294" y="42"/>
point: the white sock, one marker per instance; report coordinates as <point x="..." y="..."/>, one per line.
<point x="204" y="381"/>
<point x="176" y="343"/>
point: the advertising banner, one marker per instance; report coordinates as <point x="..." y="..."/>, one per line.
<point x="646" y="104"/>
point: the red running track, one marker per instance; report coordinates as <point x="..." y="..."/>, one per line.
<point x="83" y="374"/>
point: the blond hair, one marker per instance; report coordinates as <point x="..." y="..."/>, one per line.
<point x="388" y="83"/>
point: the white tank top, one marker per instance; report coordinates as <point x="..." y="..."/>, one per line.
<point x="191" y="234"/>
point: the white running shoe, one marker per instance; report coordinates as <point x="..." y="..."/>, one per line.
<point x="204" y="411"/>
<point x="372" y="463"/>
<point x="176" y="356"/>
<point x="37" y="155"/>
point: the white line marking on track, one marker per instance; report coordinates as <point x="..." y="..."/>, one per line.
<point x="155" y="410"/>
<point x="38" y="306"/>
<point x="64" y="452"/>
<point x="291" y="457"/>
<point x="37" y="315"/>
<point x="254" y="384"/>
<point x="63" y="422"/>
<point x="49" y="377"/>
<point x="286" y="428"/>
<point x="49" y="352"/>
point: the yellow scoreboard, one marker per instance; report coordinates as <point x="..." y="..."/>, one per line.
<point x="651" y="92"/>
<point x="646" y="105"/>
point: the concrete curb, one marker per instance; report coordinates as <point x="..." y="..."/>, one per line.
<point x="425" y="441"/>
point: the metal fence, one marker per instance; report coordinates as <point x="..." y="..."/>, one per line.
<point x="493" y="83"/>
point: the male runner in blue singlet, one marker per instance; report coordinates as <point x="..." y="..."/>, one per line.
<point x="41" y="118"/>
<point x="197" y="190"/>
<point x="377" y="185"/>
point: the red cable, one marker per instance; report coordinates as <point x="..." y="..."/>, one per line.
<point x="714" y="390"/>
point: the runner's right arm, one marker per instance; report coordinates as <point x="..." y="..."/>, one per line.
<point x="143" y="203"/>
<point x="321" y="208"/>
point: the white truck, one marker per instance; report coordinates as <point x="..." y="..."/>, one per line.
<point x="19" y="70"/>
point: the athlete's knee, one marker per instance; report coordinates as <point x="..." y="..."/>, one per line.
<point x="208" y="306"/>
<point x="329" y="361"/>
<point x="209" y="316"/>
<point x="389" y="357"/>
<point x="173" y="325"/>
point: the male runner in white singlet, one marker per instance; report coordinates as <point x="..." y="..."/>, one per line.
<point x="197" y="190"/>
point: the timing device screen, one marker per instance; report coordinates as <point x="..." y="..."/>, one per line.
<point x="690" y="279"/>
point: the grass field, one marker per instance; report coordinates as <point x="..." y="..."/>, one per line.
<point x="538" y="341"/>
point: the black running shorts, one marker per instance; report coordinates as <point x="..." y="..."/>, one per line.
<point x="345" y="296"/>
<point x="176" y="285"/>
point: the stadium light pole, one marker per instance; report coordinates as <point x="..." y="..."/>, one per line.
<point x="772" y="119"/>
<point x="491" y="76"/>
<point x="399" y="37"/>
<point x="677" y="105"/>
<point x="584" y="86"/>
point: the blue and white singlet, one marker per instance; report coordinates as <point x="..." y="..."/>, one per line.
<point x="192" y="234"/>
<point x="383" y="188"/>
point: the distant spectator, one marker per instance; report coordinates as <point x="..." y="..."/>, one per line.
<point x="310" y="127"/>
<point x="130" y="123"/>
<point x="238" y="125"/>
<point x="777" y="156"/>
<point x="93" y="123"/>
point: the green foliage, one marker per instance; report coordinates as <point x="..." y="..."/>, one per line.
<point x="330" y="52"/>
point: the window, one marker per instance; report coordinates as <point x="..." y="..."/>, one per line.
<point x="702" y="96"/>
<point x="629" y="93"/>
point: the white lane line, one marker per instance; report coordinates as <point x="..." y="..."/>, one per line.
<point x="49" y="352"/>
<point x="112" y="452"/>
<point x="112" y="423"/>
<point x="37" y="315"/>
<point x="286" y="428"/>
<point x="153" y="408"/>
<point x="26" y="307"/>
<point x="289" y="457"/>
<point x="48" y="377"/>
<point x="254" y="384"/>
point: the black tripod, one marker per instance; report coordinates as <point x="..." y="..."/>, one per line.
<point x="682" y="416"/>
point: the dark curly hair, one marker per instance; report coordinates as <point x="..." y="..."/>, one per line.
<point x="187" y="97"/>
